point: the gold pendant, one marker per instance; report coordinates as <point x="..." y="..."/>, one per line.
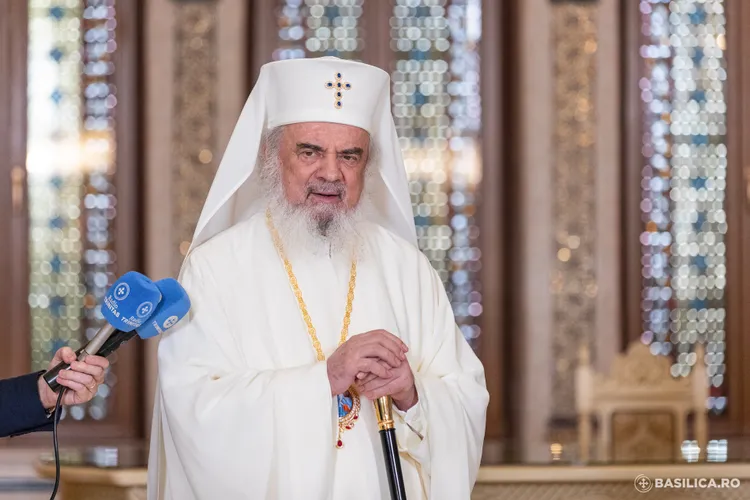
<point x="348" y="408"/>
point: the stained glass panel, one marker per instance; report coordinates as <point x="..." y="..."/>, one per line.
<point x="434" y="46"/>
<point x="437" y="110"/>
<point x="683" y="93"/>
<point x="70" y="163"/>
<point x="319" y="28"/>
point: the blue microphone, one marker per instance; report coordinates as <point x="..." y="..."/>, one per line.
<point x="129" y="302"/>
<point x="174" y="305"/>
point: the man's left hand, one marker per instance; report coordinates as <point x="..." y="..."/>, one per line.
<point x="400" y="387"/>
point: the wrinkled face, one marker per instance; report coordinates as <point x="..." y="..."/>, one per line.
<point x="323" y="166"/>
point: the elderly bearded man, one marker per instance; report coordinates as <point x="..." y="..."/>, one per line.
<point x="310" y="299"/>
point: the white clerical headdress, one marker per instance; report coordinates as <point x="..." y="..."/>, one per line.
<point x="325" y="89"/>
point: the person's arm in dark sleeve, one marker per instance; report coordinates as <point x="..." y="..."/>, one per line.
<point x="24" y="400"/>
<point x="21" y="409"/>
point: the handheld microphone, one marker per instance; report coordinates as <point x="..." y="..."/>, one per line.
<point x="129" y="302"/>
<point x="174" y="305"/>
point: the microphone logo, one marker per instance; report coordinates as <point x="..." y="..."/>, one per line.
<point x="144" y="310"/>
<point x="170" y="322"/>
<point x="122" y="291"/>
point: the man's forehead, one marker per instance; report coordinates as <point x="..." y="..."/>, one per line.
<point x="326" y="132"/>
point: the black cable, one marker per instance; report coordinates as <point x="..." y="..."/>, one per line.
<point x="56" y="416"/>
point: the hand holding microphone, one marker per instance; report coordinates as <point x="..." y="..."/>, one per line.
<point x="174" y="305"/>
<point x="82" y="379"/>
<point x="129" y="302"/>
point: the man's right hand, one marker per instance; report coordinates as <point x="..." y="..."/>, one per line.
<point x="83" y="379"/>
<point x="362" y="354"/>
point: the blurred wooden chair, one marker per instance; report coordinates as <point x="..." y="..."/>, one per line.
<point x="639" y="382"/>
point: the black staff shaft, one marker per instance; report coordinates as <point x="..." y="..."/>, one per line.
<point x="390" y="448"/>
<point x="393" y="464"/>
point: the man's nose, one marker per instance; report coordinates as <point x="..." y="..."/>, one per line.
<point x="329" y="170"/>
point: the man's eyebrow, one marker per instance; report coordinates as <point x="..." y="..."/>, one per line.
<point x="352" y="151"/>
<point x="314" y="147"/>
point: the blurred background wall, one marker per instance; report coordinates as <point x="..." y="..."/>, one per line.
<point x="577" y="173"/>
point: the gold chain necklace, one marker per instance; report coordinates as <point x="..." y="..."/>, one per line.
<point x="349" y="402"/>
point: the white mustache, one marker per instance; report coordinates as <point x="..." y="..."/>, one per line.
<point x="328" y="190"/>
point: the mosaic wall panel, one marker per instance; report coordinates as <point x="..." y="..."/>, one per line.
<point x="683" y="182"/>
<point x="71" y="144"/>
<point x="316" y="28"/>
<point x="194" y="139"/>
<point x="573" y="284"/>
<point x="437" y="110"/>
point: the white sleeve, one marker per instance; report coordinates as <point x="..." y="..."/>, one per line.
<point x="444" y="432"/>
<point x="411" y="431"/>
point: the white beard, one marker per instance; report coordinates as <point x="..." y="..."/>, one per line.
<point x="324" y="231"/>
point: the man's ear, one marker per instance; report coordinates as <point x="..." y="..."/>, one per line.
<point x="274" y="138"/>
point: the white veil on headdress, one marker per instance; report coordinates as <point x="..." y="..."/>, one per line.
<point x="325" y="89"/>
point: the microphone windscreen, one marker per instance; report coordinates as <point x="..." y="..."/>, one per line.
<point x="130" y="301"/>
<point x="174" y="305"/>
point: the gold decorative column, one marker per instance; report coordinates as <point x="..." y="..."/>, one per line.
<point x="194" y="117"/>
<point x="573" y="282"/>
<point x="195" y="55"/>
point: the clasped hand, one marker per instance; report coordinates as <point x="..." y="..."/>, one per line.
<point x="375" y="364"/>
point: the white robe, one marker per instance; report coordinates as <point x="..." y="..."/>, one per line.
<point x="244" y="411"/>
